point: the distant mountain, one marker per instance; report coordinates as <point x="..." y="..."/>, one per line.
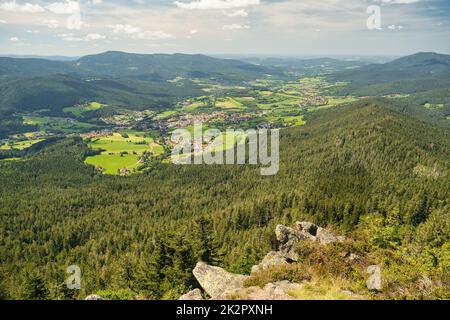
<point x="308" y="66"/>
<point x="149" y="67"/>
<point x="32" y="67"/>
<point x="420" y="65"/>
<point x="165" y="67"/>
<point x="140" y="80"/>
<point x="43" y="92"/>
<point x="421" y="61"/>
<point x="418" y="72"/>
<point x="30" y="56"/>
<point x="134" y="81"/>
<point x="55" y="92"/>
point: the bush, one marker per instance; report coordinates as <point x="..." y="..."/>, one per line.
<point x="331" y="260"/>
<point x="124" y="294"/>
<point x="296" y="273"/>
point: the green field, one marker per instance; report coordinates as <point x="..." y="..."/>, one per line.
<point x="194" y="104"/>
<point x="111" y="164"/>
<point x="229" y="103"/>
<point x="333" y="102"/>
<point x="431" y="106"/>
<point x="79" y="110"/>
<point x="294" y="120"/>
<point x="65" y="125"/>
<point x="165" y="115"/>
<point x="121" y="150"/>
<point x="220" y="144"/>
<point x="21" y="145"/>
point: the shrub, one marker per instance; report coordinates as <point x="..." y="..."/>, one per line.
<point x="124" y="294"/>
<point x="296" y="273"/>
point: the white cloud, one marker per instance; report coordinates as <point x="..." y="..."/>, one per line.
<point x="235" y="27"/>
<point x="14" y="39"/>
<point x="95" y="36"/>
<point x="69" y="37"/>
<point x="68" y="7"/>
<point x="394" y="27"/>
<point x="191" y="33"/>
<point x="13" y="6"/>
<point x="52" y="24"/>
<point x="238" y="13"/>
<point x="125" y="28"/>
<point x="153" y="35"/>
<point x="72" y="38"/>
<point x="216" y="4"/>
<point x="139" y="33"/>
<point x="3" y="22"/>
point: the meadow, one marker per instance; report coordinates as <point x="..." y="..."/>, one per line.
<point x="121" y="151"/>
<point x="219" y="144"/>
<point x="80" y="109"/>
<point x="21" y="145"/>
<point x="57" y="124"/>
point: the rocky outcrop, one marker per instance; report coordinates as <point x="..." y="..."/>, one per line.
<point x="215" y="281"/>
<point x="326" y="237"/>
<point x="273" y="258"/>
<point x="94" y="297"/>
<point x="288" y="238"/>
<point x="272" y="291"/>
<point x="195" y="294"/>
<point x="220" y="284"/>
<point x="307" y="228"/>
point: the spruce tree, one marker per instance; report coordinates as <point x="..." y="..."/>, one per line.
<point x="34" y="288"/>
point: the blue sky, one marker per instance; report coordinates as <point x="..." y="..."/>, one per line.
<point x="269" y="27"/>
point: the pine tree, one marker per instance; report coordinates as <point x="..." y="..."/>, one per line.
<point x="204" y="243"/>
<point x="34" y="288"/>
<point x="244" y="263"/>
<point x="150" y="272"/>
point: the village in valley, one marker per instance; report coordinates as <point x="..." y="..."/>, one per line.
<point x="126" y="140"/>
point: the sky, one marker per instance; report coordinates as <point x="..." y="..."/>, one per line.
<point x="248" y="27"/>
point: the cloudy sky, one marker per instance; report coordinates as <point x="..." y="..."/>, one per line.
<point x="268" y="27"/>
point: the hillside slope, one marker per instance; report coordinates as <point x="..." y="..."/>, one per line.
<point x="149" y="67"/>
<point x="55" y="92"/>
<point x="418" y="72"/>
<point x="166" y="67"/>
<point x="363" y="168"/>
<point x="26" y="67"/>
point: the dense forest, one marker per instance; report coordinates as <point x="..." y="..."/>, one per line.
<point x="364" y="165"/>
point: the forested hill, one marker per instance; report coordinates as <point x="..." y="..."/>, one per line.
<point x="167" y="67"/>
<point x="419" y="72"/>
<point x="153" y="67"/>
<point x="26" y="67"/>
<point x="145" y="233"/>
<point x="309" y="67"/>
<point x="55" y="92"/>
<point x="424" y="64"/>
